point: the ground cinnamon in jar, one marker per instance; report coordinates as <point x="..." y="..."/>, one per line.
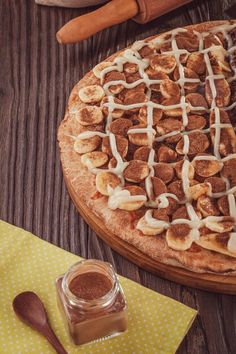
<point x="92" y="301"/>
<point x="90" y="286"/>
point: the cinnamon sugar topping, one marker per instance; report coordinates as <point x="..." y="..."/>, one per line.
<point x="169" y="132"/>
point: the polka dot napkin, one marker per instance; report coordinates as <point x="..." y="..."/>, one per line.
<point x="157" y="324"/>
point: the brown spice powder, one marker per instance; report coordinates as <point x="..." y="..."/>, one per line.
<point x="90" y="286"/>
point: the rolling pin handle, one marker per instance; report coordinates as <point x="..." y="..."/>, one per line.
<point x="150" y="9"/>
<point x="82" y="27"/>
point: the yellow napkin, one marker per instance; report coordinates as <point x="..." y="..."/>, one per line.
<point x="157" y="324"/>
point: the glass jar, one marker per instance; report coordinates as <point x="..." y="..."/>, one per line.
<point x="92" y="301"/>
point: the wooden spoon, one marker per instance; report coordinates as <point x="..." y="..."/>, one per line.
<point x="30" y="310"/>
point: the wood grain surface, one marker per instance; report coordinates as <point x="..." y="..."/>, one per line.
<point x="36" y="77"/>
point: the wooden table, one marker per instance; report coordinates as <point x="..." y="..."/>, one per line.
<point x="36" y="77"/>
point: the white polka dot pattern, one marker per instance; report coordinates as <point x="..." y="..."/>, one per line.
<point x="157" y="324"/>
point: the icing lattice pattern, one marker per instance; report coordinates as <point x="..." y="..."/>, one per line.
<point x="158" y="132"/>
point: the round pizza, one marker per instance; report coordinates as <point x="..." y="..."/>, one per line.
<point x="148" y="144"/>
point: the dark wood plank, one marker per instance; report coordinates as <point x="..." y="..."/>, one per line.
<point x="36" y="77"/>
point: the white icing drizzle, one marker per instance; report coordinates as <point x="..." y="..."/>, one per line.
<point x="232" y="49"/>
<point x="227" y="192"/>
<point x="118" y="195"/>
<point x="186" y="144"/>
<point x="214" y="158"/>
<point x="155" y="223"/>
<point x="229" y="157"/>
<point x="115" y="153"/>
<point x="163" y="137"/>
<point x="185" y="177"/>
<point x="233" y="105"/>
<point x="90" y="134"/>
<point x="207" y="130"/>
<point x="148" y="183"/>
<point x="231" y="245"/>
<point x="163" y="201"/>
<point x="191" y="212"/>
<point x="141" y="130"/>
<point x="217" y="133"/>
<point x="206" y="158"/>
<point x="111" y="108"/>
<point x="121" y="196"/>
<point x="232" y="205"/>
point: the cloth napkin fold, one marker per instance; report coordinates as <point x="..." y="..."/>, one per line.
<point x="157" y="324"/>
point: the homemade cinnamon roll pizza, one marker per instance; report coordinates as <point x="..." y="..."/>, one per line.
<point x="148" y="144"/>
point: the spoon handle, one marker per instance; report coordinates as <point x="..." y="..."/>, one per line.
<point x="53" y="340"/>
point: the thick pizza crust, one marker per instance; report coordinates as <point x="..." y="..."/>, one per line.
<point x="82" y="187"/>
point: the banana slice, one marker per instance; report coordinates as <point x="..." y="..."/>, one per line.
<point x="91" y="94"/>
<point x="112" y="163"/>
<point x="130" y="78"/>
<point x="226" y="224"/>
<point x="133" y="205"/>
<point x="148" y="230"/>
<point x="105" y="179"/>
<point x="166" y="154"/>
<point x="207" y="206"/>
<point x="188" y="74"/>
<point x="100" y="67"/>
<point x="222" y="243"/>
<point x="169" y="110"/>
<point x="134" y="98"/>
<point x="136" y="171"/>
<point x="169" y="88"/>
<point x="178" y="237"/>
<point x="158" y="186"/>
<point x="199" y="189"/>
<point x="196" y="100"/>
<point x="229" y="169"/>
<point x="147" y="50"/>
<point x="115" y="76"/>
<point x="82" y="146"/>
<point x="168" y="125"/>
<point x="219" y="54"/>
<point x="207" y="168"/>
<point x="121" y="145"/>
<point x="130" y="68"/>
<point x="182" y="213"/>
<point x="156" y="115"/>
<point x="142" y="153"/>
<point x="187" y="40"/>
<point x="176" y="188"/>
<point x="227" y="143"/>
<point x="223" y="205"/>
<point x="218" y="185"/>
<point x="196" y="122"/>
<point x="196" y="63"/>
<point x="222" y="98"/>
<point x="116" y="112"/>
<point x="198" y="143"/>
<point x="155" y="75"/>
<point x="89" y="115"/>
<point x="120" y="126"/>
<point x="212" y="40"/>
<point x="179" y="167"/>
<point x="164" y="171"/>
<point x="94" y="159"/>
<point x="164" y="63"/>
<point x="139" y="139"/>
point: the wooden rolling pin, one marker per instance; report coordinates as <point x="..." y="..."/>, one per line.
<point x="114" y="12"/>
